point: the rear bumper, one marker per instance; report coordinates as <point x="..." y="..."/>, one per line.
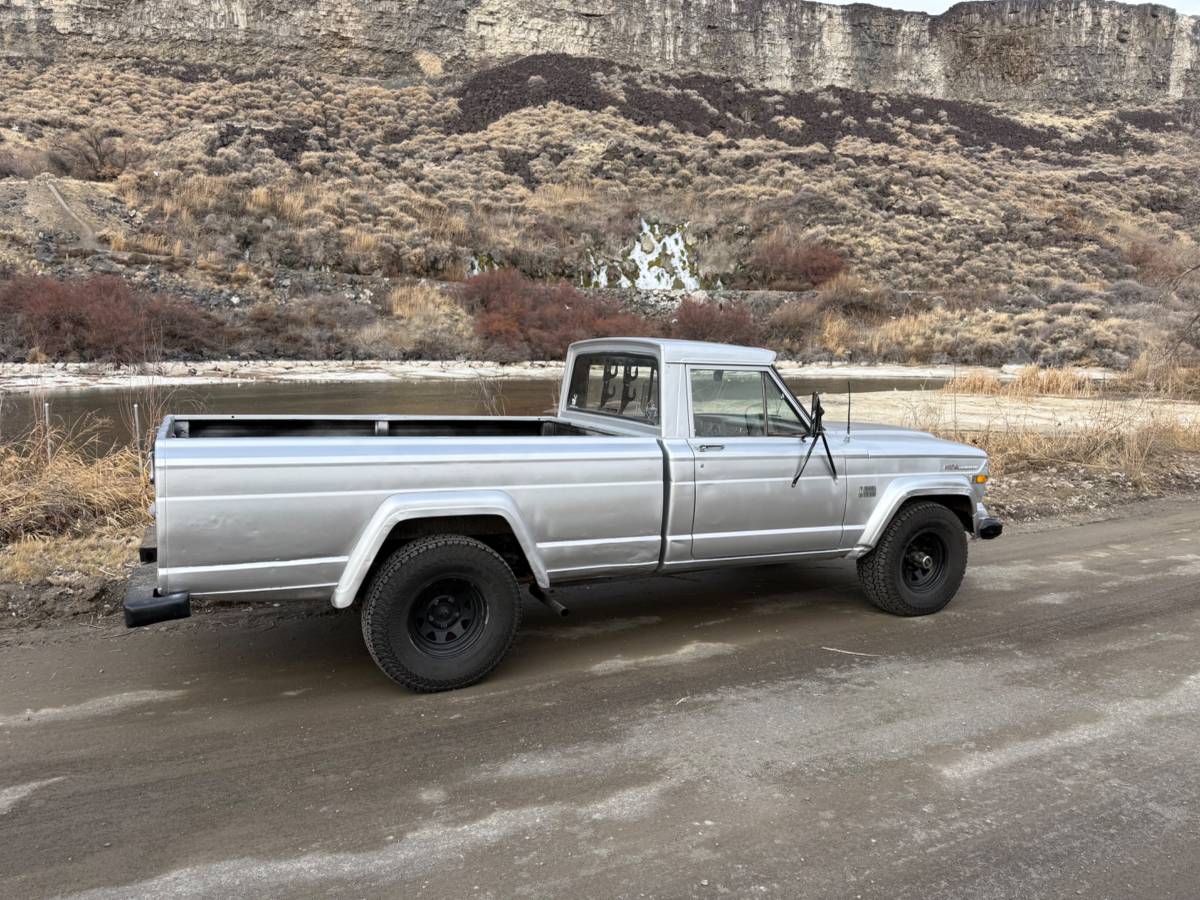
<point x="148" y="610"/>
<point x="143" y="605"/>
<point x="987" y="526"/>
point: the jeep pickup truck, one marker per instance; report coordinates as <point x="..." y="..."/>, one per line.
<point x="663" y="456"/>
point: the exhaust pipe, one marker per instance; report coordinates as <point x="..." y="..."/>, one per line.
<point x="555" y="607"/>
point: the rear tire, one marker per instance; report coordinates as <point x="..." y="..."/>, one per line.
<point x="918" y="564"/>
<point x="441" y="613"/>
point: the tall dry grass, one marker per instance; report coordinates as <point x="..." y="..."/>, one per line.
<point x="1115" y="437"/>
<point x="1031" y="381"/>
<point x="70" y="490"/>
<point x="1161" y="374"/>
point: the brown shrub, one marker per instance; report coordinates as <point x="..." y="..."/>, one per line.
<point x="103" y="319"/>
<point x="854" y="297"/>
<point x="793" y="324"/>
<point x="426" y="324"/>
<point x="22" y="162"/>
<point x="325" y="328"/>
<point x="782" y="262"/>
<point x="519" y="318"/>
<point x="94" y="154"/>
<point x="726" y="323"/>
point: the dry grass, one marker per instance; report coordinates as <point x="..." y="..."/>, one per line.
<point x="1158" y="373"/>
<point x="1031" y="381"/>
<point x="425" y="324"/>
<point x="1115" y="439"/>
<point x="72" y="492"/>
<point x="103" y="553"/>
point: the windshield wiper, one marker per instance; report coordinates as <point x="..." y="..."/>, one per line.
<point x="816" y="430"/>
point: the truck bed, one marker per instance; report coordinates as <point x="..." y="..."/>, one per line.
<point x="258" y="426"/>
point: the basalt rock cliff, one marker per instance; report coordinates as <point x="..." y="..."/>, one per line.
<point x="1050" y="51"/>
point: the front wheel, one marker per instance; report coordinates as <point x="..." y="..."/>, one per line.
<point x="441" y="613"/>
<point x="918" y="564"/>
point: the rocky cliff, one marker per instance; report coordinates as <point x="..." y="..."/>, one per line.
<point x="1054" y="51"/>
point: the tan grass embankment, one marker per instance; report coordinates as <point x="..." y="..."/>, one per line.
<point x="1137" y="445"/>
<point x="1151" y="375"/>
<point x="1031" y="381"/>
<point x="73" y="509"/>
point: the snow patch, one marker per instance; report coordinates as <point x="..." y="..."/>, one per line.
<point x="97" y="707"/>
<point x="685" y="654"/>
<point x="1124" y="716"/>
<point x="662" y="258"/>
<point x="10" y="797"/>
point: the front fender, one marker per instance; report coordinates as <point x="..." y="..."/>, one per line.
<point x="902" y="490"/>
<point x="427" y="505"/>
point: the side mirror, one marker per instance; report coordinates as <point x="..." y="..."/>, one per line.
<point x="818" y="414"/>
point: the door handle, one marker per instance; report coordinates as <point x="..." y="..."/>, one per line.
<point x="706" y="447"/>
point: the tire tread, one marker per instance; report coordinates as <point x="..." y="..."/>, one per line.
<point x="375" y="622"/>
<point x="876" y="569"/>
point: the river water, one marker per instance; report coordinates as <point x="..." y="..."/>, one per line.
<point x="107" y="414"/>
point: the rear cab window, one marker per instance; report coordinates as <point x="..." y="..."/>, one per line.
<point x="622" y="385"/>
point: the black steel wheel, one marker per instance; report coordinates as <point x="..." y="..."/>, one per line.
<point x="441" y="613"/>
<point x="923" y="562"/>
<point x="919" y="563"/>
<point x="448" y="616"/>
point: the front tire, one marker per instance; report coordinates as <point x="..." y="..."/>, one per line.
<point x="441" y="613"/>
<point x="918" y="564"/>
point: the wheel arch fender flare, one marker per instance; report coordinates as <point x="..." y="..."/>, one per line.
<point x="427" y="505"/>
<point x="899" y="492"/>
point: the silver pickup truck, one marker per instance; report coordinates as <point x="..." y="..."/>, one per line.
<point x="664" y="456"/>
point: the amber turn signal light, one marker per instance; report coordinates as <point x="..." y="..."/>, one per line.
<point x="981" y="479"/>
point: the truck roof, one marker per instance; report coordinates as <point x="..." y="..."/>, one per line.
<point x="675" y="351"/>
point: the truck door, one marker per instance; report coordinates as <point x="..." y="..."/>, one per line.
<point x="747" y="442"/>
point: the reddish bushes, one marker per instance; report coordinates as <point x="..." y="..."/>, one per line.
<point x="101" y="319"/>
<point x="522" y="319"/>
<point x="783" y="263"/>
<point x="725" y="323"/>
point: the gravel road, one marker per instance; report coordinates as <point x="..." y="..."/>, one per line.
<point x="750" y="733"/>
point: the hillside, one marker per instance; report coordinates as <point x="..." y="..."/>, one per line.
<point x="1058" y="51"/>
<point x="995" y="234"/>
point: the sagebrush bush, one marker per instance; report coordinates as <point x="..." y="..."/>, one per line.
<point x="103" y="319"/>
<point x="793" y="325"/>
<point x="425" y="324"/>
<point x="783" y="261"/>
<point x="521" y="319"/>
<point x="728" y="323"/>
<point x="323" y="328"/>
<point x="854" y="297"/>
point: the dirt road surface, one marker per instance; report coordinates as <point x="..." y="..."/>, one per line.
<point x="756" y="733"/>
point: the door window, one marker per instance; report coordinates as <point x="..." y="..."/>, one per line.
<point x="728" y="403"/>
<point x="782" y="419"/>
<point x="741" y="403"/>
